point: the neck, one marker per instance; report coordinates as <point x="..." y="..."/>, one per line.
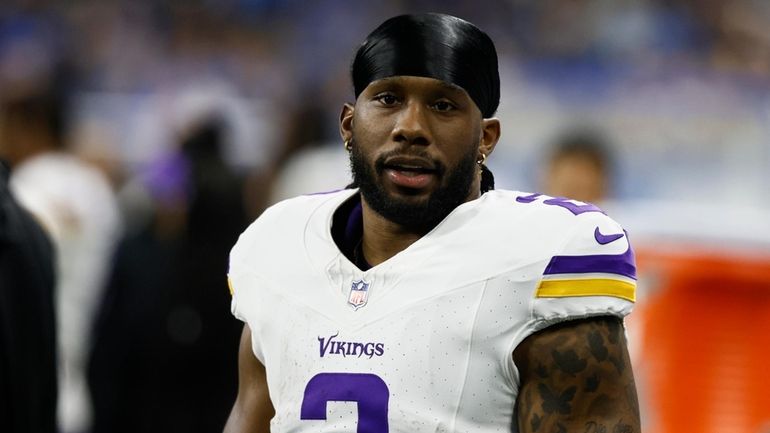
<point x="383" y="239"/>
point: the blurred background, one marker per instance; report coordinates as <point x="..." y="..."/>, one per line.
<point x="145" y="135"/>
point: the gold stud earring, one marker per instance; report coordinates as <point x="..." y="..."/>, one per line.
<point x="481" y="159"/>
<point x="348" y="146"/>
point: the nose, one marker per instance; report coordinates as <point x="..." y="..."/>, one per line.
<point x="412" y="126"/>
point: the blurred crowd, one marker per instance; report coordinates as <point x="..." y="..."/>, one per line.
<point x="145" y="135"/>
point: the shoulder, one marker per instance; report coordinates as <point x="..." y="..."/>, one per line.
<point x="555" y="210"/>
<point x="53" y="164"/>
<point x="64" y="178"/>
<point x="552" y="223"/>
<point x="275" y="247"/>
<point x="60" y="190"/>
<point x="581" y="229"/>
<point x="588" y="265"/>
<point x="284" y="222"/>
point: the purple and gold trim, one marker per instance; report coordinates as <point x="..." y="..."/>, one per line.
<point x="620" y="264"/>
<point x="592" y="275"/>
<point x="587" y="287"/>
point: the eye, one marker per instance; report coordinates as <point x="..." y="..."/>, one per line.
<point x="386" y="99"/>
<point x="443" y="106"/>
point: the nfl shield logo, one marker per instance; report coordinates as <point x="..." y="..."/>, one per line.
<point x="359" y="292"/>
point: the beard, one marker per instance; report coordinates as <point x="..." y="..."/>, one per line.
<point x="418" y="215"/>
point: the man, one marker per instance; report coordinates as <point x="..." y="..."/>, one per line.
<point x="176" y="374"/>
<point x="75" y="204"/>
<point x="418" y="302"/>
<point x="579" y="167"/>
<point x="28" y="389"/>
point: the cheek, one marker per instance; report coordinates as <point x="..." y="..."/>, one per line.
<point x="463" y="129"/>
<point x="461" y="138"/>
<point x="368" y="129"/>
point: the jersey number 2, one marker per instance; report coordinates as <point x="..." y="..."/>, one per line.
<point x="369" y="391"/>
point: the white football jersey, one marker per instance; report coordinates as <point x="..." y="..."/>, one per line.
<point x="422" y="342"/>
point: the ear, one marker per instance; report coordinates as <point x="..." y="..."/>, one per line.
<point x="346" y="122"/>
<point x="490" y="134"/>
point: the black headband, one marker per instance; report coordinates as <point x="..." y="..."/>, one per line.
<point x="436" y="46"/>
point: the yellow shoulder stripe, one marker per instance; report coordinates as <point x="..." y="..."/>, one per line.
<point x="589" y="287"/>
<point x="230" y="286"/>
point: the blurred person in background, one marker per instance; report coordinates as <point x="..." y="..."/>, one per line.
<point x="28" y="386"/>
<point x="164" y="354"/>
<point x="740" y="36"/>
<point x="310" y="162"/>
<point x="579" y="167"/>
<point x="75" y="204"/>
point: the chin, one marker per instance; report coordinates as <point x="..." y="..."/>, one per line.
<point x="415" y="208"/>
<point x="410" y="195"/>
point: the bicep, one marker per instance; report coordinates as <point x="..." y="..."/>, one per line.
<point x="576" y="376"/>
<point x="253" y="409"/>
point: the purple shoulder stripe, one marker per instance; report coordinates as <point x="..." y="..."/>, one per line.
<point x="621" y="264"/>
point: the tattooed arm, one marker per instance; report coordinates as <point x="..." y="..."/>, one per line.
<point x="576" y="377"/>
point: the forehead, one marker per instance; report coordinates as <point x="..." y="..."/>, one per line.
<point x="409" y="82"/>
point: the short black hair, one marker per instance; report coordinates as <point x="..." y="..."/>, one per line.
<point x="585" y="143"/>
<point x="45" y="108"/>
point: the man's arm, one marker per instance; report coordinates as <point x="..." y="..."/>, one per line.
<point x="252" y="410"/>
<point x="576" y="377"/>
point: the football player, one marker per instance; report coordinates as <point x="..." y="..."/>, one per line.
<point x="420" y="299"/>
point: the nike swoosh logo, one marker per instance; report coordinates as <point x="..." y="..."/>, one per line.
<point x="605" y="239"/>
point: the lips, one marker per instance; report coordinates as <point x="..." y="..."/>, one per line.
<point x="409" y="172"/>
